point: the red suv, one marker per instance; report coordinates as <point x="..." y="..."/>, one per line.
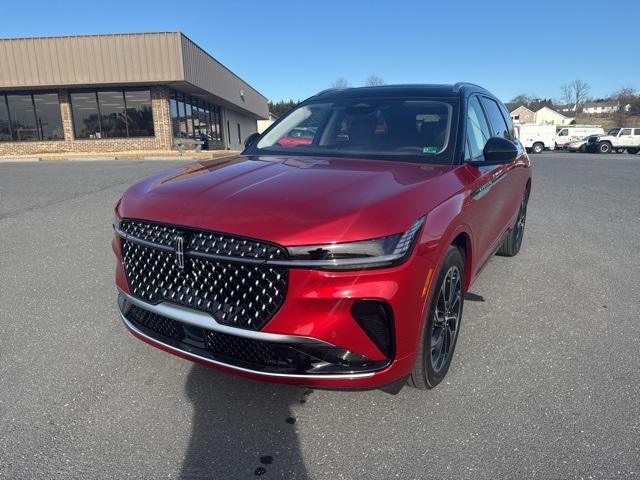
<point x="340" y="263"/>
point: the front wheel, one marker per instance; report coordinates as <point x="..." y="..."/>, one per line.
<point x="442" y="324"/>
<point x="583" y="149"/>
<point x="513" y="242"/>
<point x="604" y="147"/>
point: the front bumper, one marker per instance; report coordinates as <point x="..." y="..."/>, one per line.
<point x="314" y="326"/>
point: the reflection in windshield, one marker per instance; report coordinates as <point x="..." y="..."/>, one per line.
<point x="378" y="127"/>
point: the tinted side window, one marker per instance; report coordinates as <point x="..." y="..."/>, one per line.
<point x="626" y="131"/>
<point x="477" y="128"/>
<point x="508" y="120"/>
<point x="498" y="125"/>
<point x="636" y="131"/>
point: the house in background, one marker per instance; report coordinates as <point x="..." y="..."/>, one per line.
<point x="566" y="109"/>
<point x="523" y="115"/>
<point x="548" y="116"/>
<point x="604" y="107"/>
<point x="544" y="116"/>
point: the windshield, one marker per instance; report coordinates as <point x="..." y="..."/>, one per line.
<point x="397" y="129"/>
<point x="613" y="131"/>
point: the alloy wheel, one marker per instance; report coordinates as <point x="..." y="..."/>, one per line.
<point x="446" y="319"/>
<point x="522" y="217"/>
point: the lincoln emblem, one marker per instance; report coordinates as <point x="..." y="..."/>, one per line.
<point x="180" y="252"/>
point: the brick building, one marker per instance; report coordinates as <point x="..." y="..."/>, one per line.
<point x="111" y="93"/>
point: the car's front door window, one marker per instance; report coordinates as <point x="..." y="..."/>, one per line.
<point x="477" y="128"/>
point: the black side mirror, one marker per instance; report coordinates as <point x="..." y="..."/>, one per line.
<point x="251" y="139"/>
<point x="498" y="151"/>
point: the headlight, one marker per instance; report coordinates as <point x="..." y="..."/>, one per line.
<point x="375" y="253"/>
<point x="116" y="218"/>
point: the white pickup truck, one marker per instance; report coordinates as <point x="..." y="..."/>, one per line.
<point x="536" y="138"/>
<point x="618" y="139"/>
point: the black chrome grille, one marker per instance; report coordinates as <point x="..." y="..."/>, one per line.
<point x="244" y="295"/>
<point x="220" y="346"/>
<point x="306" y="357"/>
<point x="202" y="241"/>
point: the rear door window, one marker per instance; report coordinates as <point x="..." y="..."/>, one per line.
<point x="636" y="131"/>
<point x="498" y="124"/>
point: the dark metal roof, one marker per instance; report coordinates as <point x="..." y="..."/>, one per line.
<point x="410" y="91"/>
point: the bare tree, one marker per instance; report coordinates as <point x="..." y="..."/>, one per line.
<point x="575" y="93"/>
<point x="626" y="98"/>
<point x="340" y="82"/>
<point x="374" y="81"/>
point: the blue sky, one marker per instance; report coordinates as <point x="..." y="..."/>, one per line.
<point x="296" y="48"/>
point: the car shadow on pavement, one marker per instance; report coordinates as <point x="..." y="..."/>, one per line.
<point x="242" y="428"/>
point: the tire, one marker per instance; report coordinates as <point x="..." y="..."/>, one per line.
<point x="619" y="150"/>
<point x="633" y="151"/>
<point x="433" y="360"/>
<point x="583" y="149"/>
<point x="537" y="147"/>
<point x="513" y="242"/>
<point x="604" y="147"/>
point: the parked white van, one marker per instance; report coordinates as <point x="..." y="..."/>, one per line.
<point x="576" y="132"/>
<point x="536" y="138"/>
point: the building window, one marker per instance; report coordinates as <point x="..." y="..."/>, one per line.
<point x="48" y="118"/>
<point x="175" y="116"/>
<point x="23" y="117"/>
<point x="139" y="113"/>
<point x="26" y="116"/>
<point x="86" y="116"/>
<point x="112" y="114"/>
<point x="194" y="118"/>
<point x="239" y="135"/>
<point x="229" y="132"/>
<point x="5" y="122"/>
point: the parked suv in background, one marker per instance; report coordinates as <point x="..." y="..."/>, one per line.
<point x="618" y="139"/>
<point x="339" y="263"/>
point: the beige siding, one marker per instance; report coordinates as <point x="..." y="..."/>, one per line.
<point x="94" y="59"/>
<point x="207" y="73"/>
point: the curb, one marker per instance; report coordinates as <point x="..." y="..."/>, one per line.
<point x="20" y="160"/>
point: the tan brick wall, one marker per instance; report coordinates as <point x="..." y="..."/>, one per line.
<point x="162" y="140"/>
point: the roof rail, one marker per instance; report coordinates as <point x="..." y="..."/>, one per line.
<point x="458" y="86"/>
<point x="327" y="90"/>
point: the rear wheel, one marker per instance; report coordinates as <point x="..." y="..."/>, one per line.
<point x="441" y="327"/>
<point x="537" y="147"/>
<point x="633" y="151"/>
<point x="513" y="242"/>
<point x="604" y="147"/>
<point x="619" y="150"/>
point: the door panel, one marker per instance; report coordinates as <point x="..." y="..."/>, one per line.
<point x="506" y="189"/>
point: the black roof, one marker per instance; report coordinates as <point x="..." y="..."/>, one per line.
<point x="411" y="91"/>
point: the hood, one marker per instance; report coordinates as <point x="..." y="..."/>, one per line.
<point x="290" y="200"/>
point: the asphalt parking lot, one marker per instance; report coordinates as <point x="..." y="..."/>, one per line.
<point x="545" y="382"/>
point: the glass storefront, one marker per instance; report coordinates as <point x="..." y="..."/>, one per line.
<point x="194" y="118"/>
<point x="112" y="113"/>
<point x="30" y="116"/>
